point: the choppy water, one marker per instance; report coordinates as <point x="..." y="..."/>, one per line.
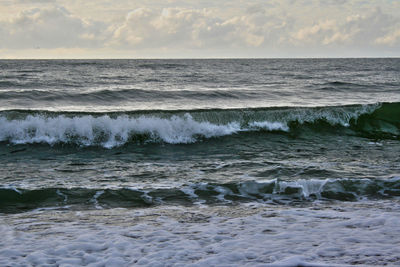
<point x="82" y="135"/>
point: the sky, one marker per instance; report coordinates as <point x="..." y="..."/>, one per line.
<point x="199" y="29"/>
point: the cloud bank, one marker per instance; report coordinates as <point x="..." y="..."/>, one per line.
<point x="258" y="29"/>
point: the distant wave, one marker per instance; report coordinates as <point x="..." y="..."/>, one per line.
<point x="181" y="127"/>
<point x="122" y="94"/>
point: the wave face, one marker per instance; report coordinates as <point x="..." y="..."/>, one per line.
<point x="182" y="127"/>
<point x="109" y="132"/>
<point x="15" y="200"/>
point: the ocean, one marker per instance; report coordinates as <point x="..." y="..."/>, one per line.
<point x="200" y="162"/>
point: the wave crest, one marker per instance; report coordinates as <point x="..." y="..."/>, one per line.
<point x="16" y="199"/>
<point x="183" y="127"/>
<point x="108" y="132"/>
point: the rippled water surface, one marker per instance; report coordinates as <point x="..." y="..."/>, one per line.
<point x="176" y="142"/>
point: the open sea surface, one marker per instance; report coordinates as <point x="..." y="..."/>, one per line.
<point x="203" y="162"/>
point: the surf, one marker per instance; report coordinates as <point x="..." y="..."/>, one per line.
<point x="114" y="129"/>
<point x="279" y="191"/>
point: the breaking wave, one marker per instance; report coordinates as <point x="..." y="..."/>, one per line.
<point x="181" y="127"/>
<point x="17" y="199"/>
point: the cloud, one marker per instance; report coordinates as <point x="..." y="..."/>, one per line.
<point x="34" y="1"/>
<point x="391" y="39"/>
<point x="260" y="28"/>
<point x="324" y="32"/>
<point x="144" y="27"/>
<point x="256" y="28"/>
<point x="193" y="28"/>
<point x="356" y="30"/>
<point x="365" y="29"/>
<point x="48" y="28"/>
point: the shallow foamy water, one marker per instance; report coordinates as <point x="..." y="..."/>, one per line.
<point x="347" y="233"/>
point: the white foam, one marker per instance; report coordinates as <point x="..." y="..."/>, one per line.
<point x="342" y="234"/>
<point x="270" y="126"/>
<point x="307" y="187"/>
<point x="108" y="132"/>
<point x="11" y="187"/>
<point x="249" y="188"/>
<point x="95" y="199"/>
<point x="189" y="190"/>
<point x="58" y="192"/>
<point x="337" y="116"/>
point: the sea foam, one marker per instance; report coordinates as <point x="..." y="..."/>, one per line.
<point x="337" y="234"/>
<point x="176" y="127"/>
<point x="108" y="132"/>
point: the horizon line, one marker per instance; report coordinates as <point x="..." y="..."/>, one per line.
<point x="196" y="58"/>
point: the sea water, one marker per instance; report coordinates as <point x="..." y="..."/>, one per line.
<point x="247" y="162"/>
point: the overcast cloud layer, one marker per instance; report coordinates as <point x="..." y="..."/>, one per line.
<point x="170" y="29"/>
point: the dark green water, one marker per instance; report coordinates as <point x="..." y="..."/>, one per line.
<point x="104" y="134"/>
